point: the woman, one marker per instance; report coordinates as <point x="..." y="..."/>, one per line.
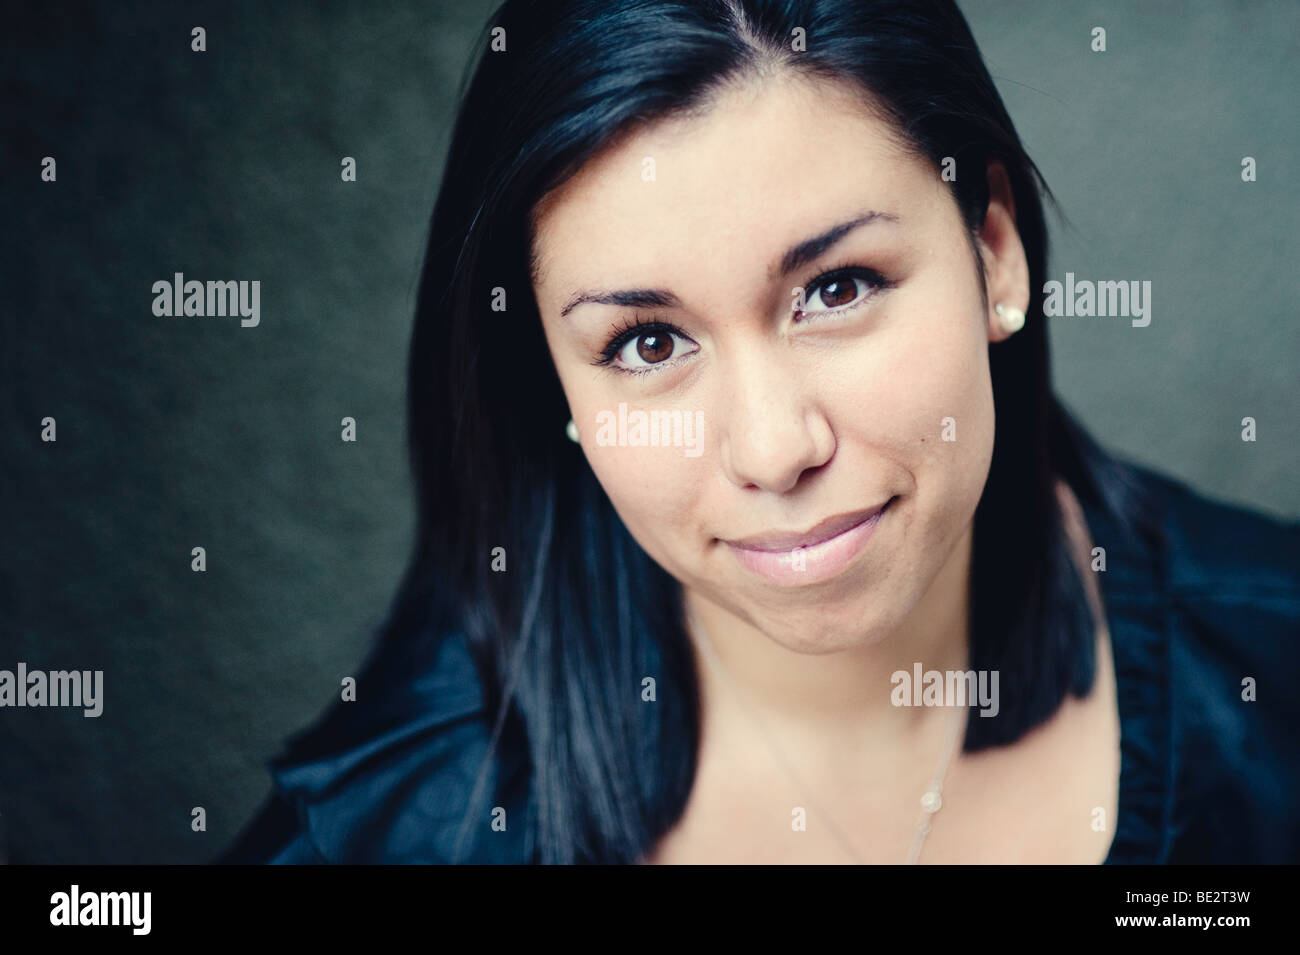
<point x="749" y="526"/>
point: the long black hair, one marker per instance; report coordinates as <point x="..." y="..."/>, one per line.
<point x="581" y="615"/>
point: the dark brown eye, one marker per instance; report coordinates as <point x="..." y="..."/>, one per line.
<point x="654" y="347"/>
<point x="838" y="292"/>
<point x="645" y="346"/>
<point x="842" y="290"/>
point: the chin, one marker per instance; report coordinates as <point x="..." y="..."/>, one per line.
<point x="828" y="627"/>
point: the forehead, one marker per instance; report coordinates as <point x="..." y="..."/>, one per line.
<point x="764" y="163"/>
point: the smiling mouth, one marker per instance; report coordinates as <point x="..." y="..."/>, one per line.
<point x="777" y="541"/>
<point x="811" y="556"/>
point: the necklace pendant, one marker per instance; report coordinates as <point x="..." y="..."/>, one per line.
<point x="931" y="802"/>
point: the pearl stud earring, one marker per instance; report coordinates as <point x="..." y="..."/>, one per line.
<point x="1013" y="319"/>
<point x="571" y="430"/>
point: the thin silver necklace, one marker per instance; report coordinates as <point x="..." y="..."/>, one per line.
<point x="931" y="799"/>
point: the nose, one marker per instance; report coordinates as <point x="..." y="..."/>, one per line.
<point x="775" y="431"/>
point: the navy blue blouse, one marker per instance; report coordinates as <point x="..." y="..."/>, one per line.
<point x="1205" y="776"/>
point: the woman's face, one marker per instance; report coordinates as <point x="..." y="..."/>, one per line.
<point x="870" y="392"/>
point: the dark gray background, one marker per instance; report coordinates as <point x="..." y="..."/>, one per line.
<point x="177" y="433"/>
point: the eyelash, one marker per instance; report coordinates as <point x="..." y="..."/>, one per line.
<point x="846" y="270"/>
<point x="630" y="330"/>
<point x="639" y="326"/>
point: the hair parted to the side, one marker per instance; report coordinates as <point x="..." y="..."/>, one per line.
<point x="564" y="638"/>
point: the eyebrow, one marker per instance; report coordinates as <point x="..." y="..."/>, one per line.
<point x="796" y="256"/>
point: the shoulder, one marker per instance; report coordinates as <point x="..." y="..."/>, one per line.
<point x="393" y="776"/>
<point x="1224" y="552"/>
<point x="1211" y="549"/>
<point x="1233" y="583"/>
<point x="1206" y="630"/>
<point x="1231" y="578"/>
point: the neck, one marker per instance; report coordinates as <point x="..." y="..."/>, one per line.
<point x="843" y="697"/>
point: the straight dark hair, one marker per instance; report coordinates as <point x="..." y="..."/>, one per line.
<point x="563" y="639"/>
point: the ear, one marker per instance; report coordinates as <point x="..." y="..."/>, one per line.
<point x="1006" y="269"/>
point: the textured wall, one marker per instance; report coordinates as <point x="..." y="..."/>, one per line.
<point x="199" y="432"/>
<point x="1143" y="146"/>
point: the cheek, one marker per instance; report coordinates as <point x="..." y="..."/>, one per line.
<point x="652" y="487"/>
<point x="927" y="404"/>
<point x="653" y="490"/>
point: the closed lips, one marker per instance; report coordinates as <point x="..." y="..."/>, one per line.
<point x="832" y="527"/>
